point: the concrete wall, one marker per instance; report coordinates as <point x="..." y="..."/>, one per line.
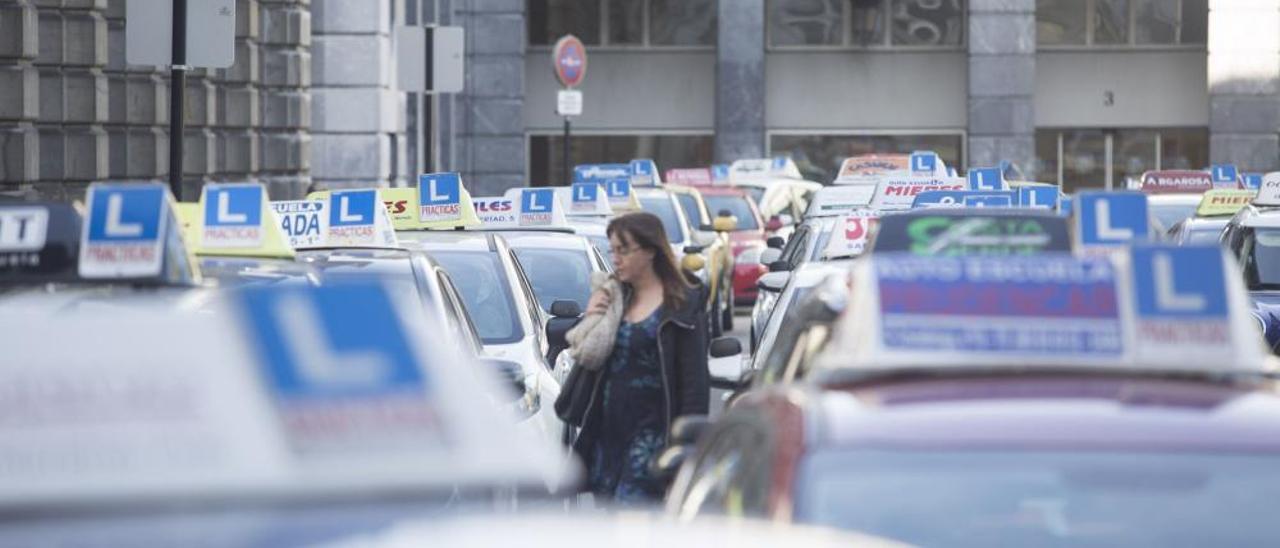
<point x="1244" y="83"/>
<point x="623" y="88"/>
<point x="1147" y="89"/>
<point x="865" y="90"/>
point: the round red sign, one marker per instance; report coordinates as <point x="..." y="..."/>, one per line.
<point x="569" y="59"/>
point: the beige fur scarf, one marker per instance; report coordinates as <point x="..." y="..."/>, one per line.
<point x="591" y="341"/>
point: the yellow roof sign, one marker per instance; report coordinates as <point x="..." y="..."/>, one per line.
<point x="1223" y="202"/>
<point x="233" y="220"/>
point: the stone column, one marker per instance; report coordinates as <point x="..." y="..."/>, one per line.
<point x="490" y="112"/>
<point x="286" y="82"/>
<point x="1244" y="83"/>
<point x="740" y="81"/>
<point x="74" y="91"/>
<point x="1002" y="78"/>
<point x="356" y="110"/>
<point x="20" y="88"/>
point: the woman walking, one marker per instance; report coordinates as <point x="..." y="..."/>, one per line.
<point x="657" y="370"/>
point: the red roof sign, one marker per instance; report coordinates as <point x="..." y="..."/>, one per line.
<point x="569" y="59"/>
<point x="697" y="176"/>
<point x="1176" y="181"/>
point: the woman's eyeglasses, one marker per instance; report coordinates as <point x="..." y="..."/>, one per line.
<point x="623" y="251"/>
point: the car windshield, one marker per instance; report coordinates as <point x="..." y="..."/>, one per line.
<point x="1168" y="215"/>
<point x="1262" y="258"/>
<point x="689" y="203"/>
<point x="480" y="278"/>
<point x="736" y="206"/>
<point x="557" y="275"/>
<point x="661" y="206"/>
<point x="756" y="193"/>
<point x="1026" y="498"/>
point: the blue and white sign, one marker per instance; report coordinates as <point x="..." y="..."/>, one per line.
<point x="1181" y="300"/>
<point x="233" y="215"/>
<point x="1112" y="218"/>
<point x="537" y="206"/>
<point x="1224" y="175"/>
<point x="924" y="162"/>
<point x="987" y="178"/>
<point x="990" y="199"/>
<point x="939" y="198"/>
<point x="124" y="232"/>
<point x="645" y="172"/>
<point x="1065" y="205"/>
<point x="1251" y="181"/>
<point x="439" y="197"/>
<point x="1046" y="306"/>
<point x="600" y="172"/>
<point x="720" y="172"/>
<point x="1038" y="196"/>
<point x="304" y="222"/>
<point x="353" y="217"/>
<point x="584" y="197"/>
<point x="337" y="350"/>
<point x="619" y="189"/>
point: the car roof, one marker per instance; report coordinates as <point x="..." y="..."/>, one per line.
<point x="650" y="192"/>
<point x="545" y="240"/>
<point x="1174" y="199"/>
<point x="1050" y="411"/>
<point x="438" y="240"/>
<point x="1253" y="215"/>
<point x="723" y="191"/>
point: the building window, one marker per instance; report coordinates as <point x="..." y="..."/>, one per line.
<point x="866" y="23"/>
<point x="1121" y="23"/>
<point x="546" y="152"/>
<point x="819" y="156"/>
<point x="623" y="23"/>
<point x="1108" y="158"/>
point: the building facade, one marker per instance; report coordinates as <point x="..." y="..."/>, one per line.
<point x="1081" y="92"/>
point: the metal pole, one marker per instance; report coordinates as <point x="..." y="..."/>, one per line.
<point x="567" y="168"/>
<point x="177" y="94"/>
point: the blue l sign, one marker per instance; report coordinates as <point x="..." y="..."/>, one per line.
<point x="352" y="207"/>
<point x="235" y="205"/>
<point x="1252" y="181"/>
<point x="1038" y="196"/>
<point x="924" y="162"/>
<point x="585" y="193"/>
<point x="987" y="178"/>
<point x="1223" y="175"/>
<point x="439" y="189"/>
<point x="125" y="213"/>
<point x="1179" y="282"/>
<point x="642" y="167"/>
<point x="619" y="188"/>
<point x="989" y="200"/>
<point x="1111" y="218"/>
<point x="536" y="201"/>
<point x="332" y="341"/>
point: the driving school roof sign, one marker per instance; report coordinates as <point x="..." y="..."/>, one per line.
<point x="900" y="192"/>
<point x="1269" y="192"/>
<point x="125" y="230"/>
<point x="1176" y="181"/>
<point x="569" y="61"/>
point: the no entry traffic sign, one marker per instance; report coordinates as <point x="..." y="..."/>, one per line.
<point x="569" y="59"/>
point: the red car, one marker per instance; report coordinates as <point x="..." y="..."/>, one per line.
<point x="748" y="240"/>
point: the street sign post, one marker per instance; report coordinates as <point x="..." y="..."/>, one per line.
<point x="156" y="33"/>
<point x="569" y="62"/>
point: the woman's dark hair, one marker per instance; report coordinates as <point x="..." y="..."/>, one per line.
<point x="645" y="232"/>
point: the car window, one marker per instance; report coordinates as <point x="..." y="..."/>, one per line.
<point x="486" y="291"/>
<point x="601" y="244"/>
<point x="557" y="274"/>
<point x="664" y="207"/>
<point x="754" y="192"/>
<point x="736" y="206"/>
<point x="1261" y="258"/>
<point x="961" y="498"/>
<point x="693" y="209"/>
<point x="1203" y="235"/>
<point x="530" y="298"/>
<point x="456" y="313"/>
<point x="794" y="249"/>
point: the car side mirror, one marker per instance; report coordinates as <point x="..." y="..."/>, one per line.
<point x="558" y="326"/>
<point x="726" y="365"/>
<point x="566" y="309"/>
<point x="725" y="223"/>
<point x="774" y="224"/>
<point x="779" y="266"/>
<point x="725" y="347"/>
<point x="770" y="255"/>
<point x="693" y="249"/>
<point x="509" y="371"/>
<point x="775" y="242"/>
<point x="773" y="282"/>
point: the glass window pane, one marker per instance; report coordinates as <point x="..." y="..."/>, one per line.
<point x="806" y="22"/>
<point x="1156" y="21"/>
<point x="1084" y="160"/>
<point x="626" y="22"/>
<point x="1045" y="169"/>
<point x="669" y="151"/>
<point x="1134" y="153"/>
<point x="1184" y="148"/>
<point x="550" y="19"/>
<point x="682" y="22"/>
<point x="1111" y="22"/>
<point x="1060" y="22"/>
<point x="868" y="20"/>
<point x="819" y="156"/>
<point x="1195" y="21"/>
<point x="927" y="22"/>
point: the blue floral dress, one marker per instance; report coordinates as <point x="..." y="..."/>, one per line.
<point x="632" y="426"/>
